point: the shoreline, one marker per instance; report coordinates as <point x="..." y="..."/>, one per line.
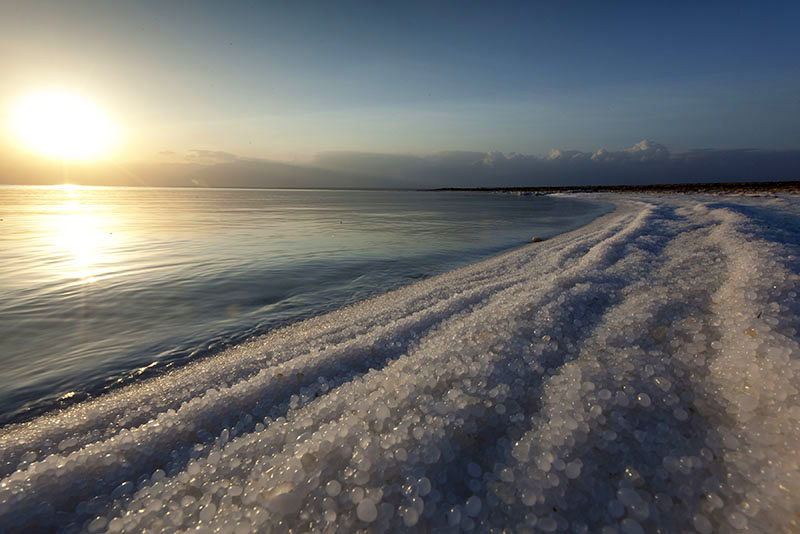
<point x="609" y="371"/>
<point x="234" y="337"/>
<point x="688" y="188"/>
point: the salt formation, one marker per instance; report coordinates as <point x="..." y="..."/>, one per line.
<point x="637" y="374"/>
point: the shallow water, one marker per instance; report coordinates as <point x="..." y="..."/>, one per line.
<point x="100" y="286"/>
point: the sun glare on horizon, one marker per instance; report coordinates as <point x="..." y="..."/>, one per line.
<point x="62" y="125"/>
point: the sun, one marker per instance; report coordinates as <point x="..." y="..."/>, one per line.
<point x="62" y="125"/>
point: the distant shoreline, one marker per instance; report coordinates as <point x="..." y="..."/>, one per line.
<point x="792" y="186"/>
<point x="721" y="187"/>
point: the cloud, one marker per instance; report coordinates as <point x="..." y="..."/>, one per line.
<point x="211" y="156"/>
<point x="264" y="173"/>
<point x="646" y="150"/>
<point x="644" y="162"/>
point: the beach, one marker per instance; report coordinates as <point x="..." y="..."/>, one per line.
<point x="637" y="373"/>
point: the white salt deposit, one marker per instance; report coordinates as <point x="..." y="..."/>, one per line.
<point x="637" y="374"/>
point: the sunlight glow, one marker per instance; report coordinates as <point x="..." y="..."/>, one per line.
<point x="62" y="125"/>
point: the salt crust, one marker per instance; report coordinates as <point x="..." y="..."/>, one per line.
<point x="635" y="374"/>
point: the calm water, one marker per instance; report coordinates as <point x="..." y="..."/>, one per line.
<point x="101" y="285"/>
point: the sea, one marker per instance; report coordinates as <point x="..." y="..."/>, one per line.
<point x="101" y="286"/>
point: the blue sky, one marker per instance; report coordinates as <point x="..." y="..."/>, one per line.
<point x="286" y="80"/>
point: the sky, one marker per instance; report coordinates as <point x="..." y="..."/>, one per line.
<point x="302" y="82"/>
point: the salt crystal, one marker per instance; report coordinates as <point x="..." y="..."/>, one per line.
<point x="473" y="506"/>
<point x="367" y="511"/>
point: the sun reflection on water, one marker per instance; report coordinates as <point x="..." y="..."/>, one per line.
<point x="81" y="238"/>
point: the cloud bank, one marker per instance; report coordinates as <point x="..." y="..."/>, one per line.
<point x="645" y="162"/>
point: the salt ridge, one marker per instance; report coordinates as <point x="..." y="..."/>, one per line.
<point x="637" y="373"/>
